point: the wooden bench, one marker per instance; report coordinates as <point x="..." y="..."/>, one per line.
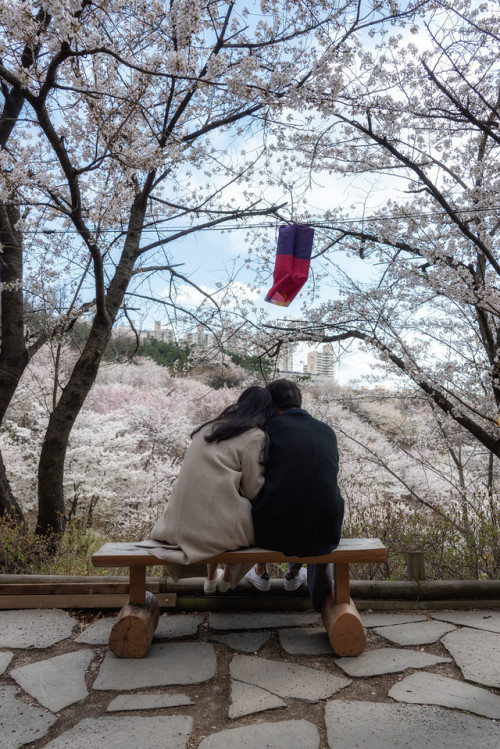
<point x="133" y="630"/>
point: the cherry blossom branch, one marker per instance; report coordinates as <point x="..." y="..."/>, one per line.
<point x="387" y="145"/>
<point x="466" y="112"/>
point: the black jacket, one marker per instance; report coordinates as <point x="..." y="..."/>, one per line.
<point x="299" y="511"/>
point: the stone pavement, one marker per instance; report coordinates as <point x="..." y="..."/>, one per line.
<point x="251" y="680"/>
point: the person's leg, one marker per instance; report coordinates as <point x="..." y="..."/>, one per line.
<point x="295" y="577"/>
<point x="211" y="571"/>
<point x="320" y="582"/>
<point x="211" y="580"/>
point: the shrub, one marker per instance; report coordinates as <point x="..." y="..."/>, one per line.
<point x="454" y="550"/>
<point x="22" y="552"/>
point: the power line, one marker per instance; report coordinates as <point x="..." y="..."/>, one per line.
<point x="272" y="225"/>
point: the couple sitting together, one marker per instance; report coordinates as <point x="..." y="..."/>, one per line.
<point x="263" y="473"/>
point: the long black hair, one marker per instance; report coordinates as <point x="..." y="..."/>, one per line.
<point x="252" y="409"/>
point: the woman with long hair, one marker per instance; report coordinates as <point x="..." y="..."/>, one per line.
<point x="209" y="510"/>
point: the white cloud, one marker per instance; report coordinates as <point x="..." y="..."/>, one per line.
<point x="188" y="296"/>
<point x="228" y="296"/>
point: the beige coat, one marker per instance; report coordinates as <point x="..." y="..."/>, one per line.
<point x="209" y="510"/>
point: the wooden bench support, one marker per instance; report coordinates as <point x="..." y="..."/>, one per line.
<point x="343" y="626"/>
<point x="341" y="618"/>
<point x="134" y="628"/>
<point x="341" y="583"/>
<point x="137" y="589"/>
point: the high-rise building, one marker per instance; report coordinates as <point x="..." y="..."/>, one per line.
<point x="199" y="337"/>
<point x="285" y="357"/>
<point x="320" y="363"/>
<point x="163" y="334"/>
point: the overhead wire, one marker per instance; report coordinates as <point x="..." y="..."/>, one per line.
<point x="273" y="224"/>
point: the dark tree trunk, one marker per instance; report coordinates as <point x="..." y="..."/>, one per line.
<point x="51" y="510"/>
<point x="14" y="355"/>
<point x="13" y="352"/>
<point x="8" y="503"/>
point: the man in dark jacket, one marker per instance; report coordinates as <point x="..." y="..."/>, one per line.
<point x="299" y="511"/>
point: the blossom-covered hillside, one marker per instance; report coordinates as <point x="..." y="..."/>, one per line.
<point x="407" y="474"/>
<point x="127" y="443"/>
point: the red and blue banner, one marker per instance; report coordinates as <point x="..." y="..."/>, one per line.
<point x="291" y="268"/>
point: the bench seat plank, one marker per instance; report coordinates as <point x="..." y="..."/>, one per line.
<point x="349" y="551"/>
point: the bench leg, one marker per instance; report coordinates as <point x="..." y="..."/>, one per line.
<point x="135" y="625"/>
<point x="341" y="578"/>
<point x="137" y="586"/>
<point x="341" y="618"/>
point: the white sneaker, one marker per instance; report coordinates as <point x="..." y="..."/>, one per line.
<point x="210" y="586"/>
<point x="261" y="582"/>
<point x="292" y="582"/>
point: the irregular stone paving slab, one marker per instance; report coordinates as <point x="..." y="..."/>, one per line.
<point x="34" y="628"/>
<point x="126" y="732"/>
<point x="385" y="620"/>
<point x="247" y="642"/>
<point x="170" y="663"/>
<point x="305" y="641"/>
<point x="21" y="723"/>
<point x="247" y="699"/>
<point x="286" y="679"/>
<point x="290" y="734"/>
<point x="431" y="689"/>
<point x="419" y="633"/>
<point x="476" y="653"/>
<point x="384" y="726"/>
<point x="147" y="702"/>
<point x="261" y="621"/>
<point x="5" y="659"/>
<point x="178" y="625"/>
<point x="489" y="620"/>
<point x="387" y="661"/>
<point x="56" y="682"/>
<point x="98" y="632"/>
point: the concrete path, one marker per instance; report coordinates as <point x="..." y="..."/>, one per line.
<point x="217" y="681"/>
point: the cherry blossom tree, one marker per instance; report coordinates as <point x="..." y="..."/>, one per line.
<point x="404" y="462"/>
<point x="127" y="443"/>
<point x="417" y="115"/>
<point x="122" y="130"/>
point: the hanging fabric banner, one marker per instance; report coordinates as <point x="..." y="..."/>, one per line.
<point x="291" y="267"/>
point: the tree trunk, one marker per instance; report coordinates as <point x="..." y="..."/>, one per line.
<point x="51" y="511"/>
<point x="8" y="503"/>
<point x="13" y="354"/>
